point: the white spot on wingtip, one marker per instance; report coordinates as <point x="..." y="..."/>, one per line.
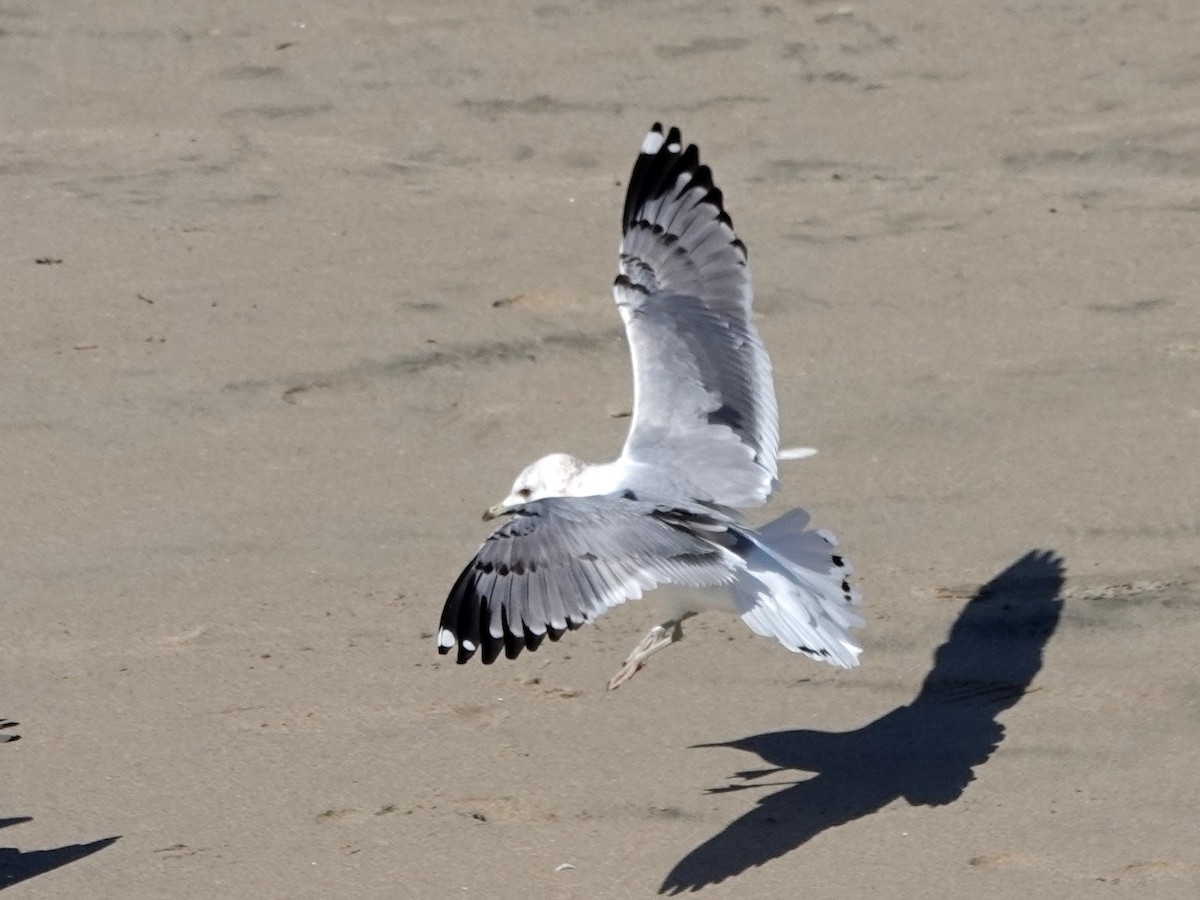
<point x="674" y="148"/>
<point x="469" y="646"/>
<point x="445" y="638"/>
<point x="652" y="142"/>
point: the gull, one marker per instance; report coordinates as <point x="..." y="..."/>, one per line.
<point x="703" y="443"/>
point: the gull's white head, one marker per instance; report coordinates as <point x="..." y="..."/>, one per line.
<point x="550" y="476"/>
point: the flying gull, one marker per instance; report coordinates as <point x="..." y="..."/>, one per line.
<point x="580" y="539"/>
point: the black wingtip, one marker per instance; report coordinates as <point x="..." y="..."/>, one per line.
<point x="656" y="169"/>
<point x="659" y="166"/>
<point x="491" y="648"/>
<point x="513" y="643"/>
<point x="533" y="640"/>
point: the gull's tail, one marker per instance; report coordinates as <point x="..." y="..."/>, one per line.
<point x="795" y="589"/>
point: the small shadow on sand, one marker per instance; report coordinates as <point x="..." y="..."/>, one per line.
<point x="924" y="752"/>
<point x="17" y="866"/>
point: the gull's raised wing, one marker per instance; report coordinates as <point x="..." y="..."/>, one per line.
<point x="704" y="401"/>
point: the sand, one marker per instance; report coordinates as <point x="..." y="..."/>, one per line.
<point x="293" y="290"/>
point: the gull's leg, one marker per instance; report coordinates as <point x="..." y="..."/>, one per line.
<point x="659" y="637"/>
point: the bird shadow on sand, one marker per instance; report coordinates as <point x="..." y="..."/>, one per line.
<point x="17" y="866"/>
<point x="924" y="752"/>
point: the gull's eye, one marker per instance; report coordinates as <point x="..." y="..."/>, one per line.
<point x="524" y="493"/>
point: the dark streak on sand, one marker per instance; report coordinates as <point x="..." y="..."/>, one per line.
<point x="483" y="353"/>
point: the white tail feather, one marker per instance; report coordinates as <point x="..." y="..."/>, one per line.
<point x="794" y="589"/>
<point x="789" y="453"/>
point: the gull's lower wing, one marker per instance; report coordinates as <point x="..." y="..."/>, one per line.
<point x="704" y="400"/>
<point x="560" y="562"/>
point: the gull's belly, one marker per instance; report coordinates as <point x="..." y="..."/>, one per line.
<point x="674" y="601"/>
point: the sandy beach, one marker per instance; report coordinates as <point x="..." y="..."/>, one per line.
<point x="292" y="291"/>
